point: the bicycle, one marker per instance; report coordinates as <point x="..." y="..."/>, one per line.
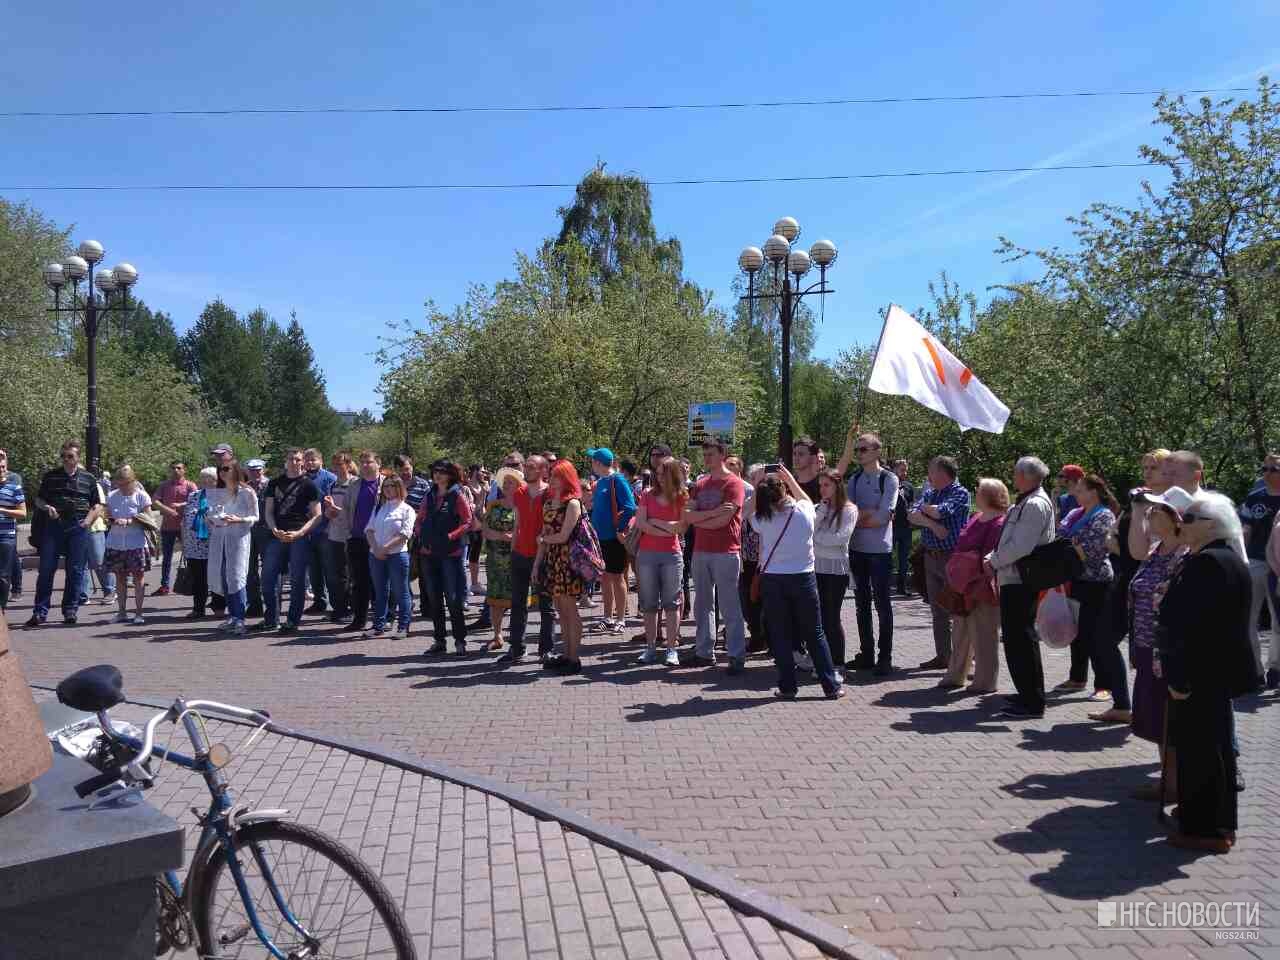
<point x="254" y="872"/>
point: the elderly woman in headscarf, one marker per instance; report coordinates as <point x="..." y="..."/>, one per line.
<point x="1207" y="659"/>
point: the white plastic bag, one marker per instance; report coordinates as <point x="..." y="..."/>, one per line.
<point x="1057" y="618"/>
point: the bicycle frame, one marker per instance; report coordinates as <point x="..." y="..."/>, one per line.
<point x="220" y="824"/>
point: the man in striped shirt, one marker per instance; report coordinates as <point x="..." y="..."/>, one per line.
<point x="942" y="512"/>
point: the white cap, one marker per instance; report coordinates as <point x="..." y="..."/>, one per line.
<point x="1175" y="499"/>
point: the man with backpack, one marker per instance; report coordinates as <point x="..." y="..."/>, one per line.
<point x="874" y="491"/>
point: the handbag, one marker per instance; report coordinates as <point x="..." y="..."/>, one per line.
<point x="184" y="582"/>
<point x="585" y="557"/>
<point x="1050" y="565"/>
<point x="630" y="537"/>
<point x="755" y="580"/>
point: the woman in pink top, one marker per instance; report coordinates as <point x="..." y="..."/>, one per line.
<point x="976" y="638"/>
<point x="660" y="559"/>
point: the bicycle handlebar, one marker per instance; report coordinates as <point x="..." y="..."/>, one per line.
<point x="179" y="706"/>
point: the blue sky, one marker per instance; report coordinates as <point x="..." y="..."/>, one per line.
<point x="350" y="262"/>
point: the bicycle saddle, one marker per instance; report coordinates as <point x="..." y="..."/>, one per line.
<point x="92" y="689"/>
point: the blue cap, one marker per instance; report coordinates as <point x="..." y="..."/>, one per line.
<point x="603" y="454"/>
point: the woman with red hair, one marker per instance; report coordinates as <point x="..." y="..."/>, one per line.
<point x="561" y="512"/>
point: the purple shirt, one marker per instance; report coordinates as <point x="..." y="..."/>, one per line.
<point x="366" y="499"/>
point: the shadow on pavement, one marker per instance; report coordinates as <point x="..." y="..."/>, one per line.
<point x="1084" y="737"/>
<point x="698" y="707"/>
<point x="1099" y="844"/>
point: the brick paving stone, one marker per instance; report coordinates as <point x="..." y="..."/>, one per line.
<point x="914" y="797"/>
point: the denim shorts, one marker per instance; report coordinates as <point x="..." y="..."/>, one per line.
<point x="658" y="577"/>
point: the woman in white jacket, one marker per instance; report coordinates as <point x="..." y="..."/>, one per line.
<point x="833" y="526"/>
<point x="233" y="510"/>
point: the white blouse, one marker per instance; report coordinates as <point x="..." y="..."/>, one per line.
<point x="794" y="553"/>
<point x="393" y="519"/>
<point x="831" y="540"/>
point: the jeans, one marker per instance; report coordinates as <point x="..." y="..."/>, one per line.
<point x="96" y="552"/>
<point x="715" y="575"/>
<point x="335" y="573"/>
<point x="935" y="576"/>
<point x="236" y="604"/>
<point x="1021" y="645"/>
<point x="391" y="574"/>
<point x="658" y="577"/>
<point x="521" y="574"/>
<point x="71" y="542"/>
<point x="361" y="580"/>
<point x="871" y="579"/>
<point x="259" y="537"/>
<point x="15" y="584"/>
<point x="791" y="611"/>
<point x="1261" y="575"/>
<point x="902" y="544"/>
<point x="8" y="550"/>
<point x="167" y="540"/>
<point x="831" y="588"/>
<point x="317" y="547"/>
<point x="295" y="556"/>
<point x="447" y="585"/>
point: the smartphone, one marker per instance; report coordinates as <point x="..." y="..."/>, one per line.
<point x="773" y="468"/>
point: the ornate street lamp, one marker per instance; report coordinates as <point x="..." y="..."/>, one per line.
<point x="71" y="272"/>
<point x="789" y="265"/>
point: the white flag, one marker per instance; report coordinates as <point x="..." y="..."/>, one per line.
<point x="910" y="362"/>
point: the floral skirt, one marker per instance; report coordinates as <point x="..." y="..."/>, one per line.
<point x="127" y="561"/>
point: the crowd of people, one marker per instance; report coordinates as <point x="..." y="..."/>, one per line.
<point x="1179" y="571"/>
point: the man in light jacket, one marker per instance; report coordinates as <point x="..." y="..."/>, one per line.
<point x="1029" y="524"/>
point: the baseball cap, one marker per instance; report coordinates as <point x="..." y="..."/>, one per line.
<point x="221" y="448"/>
<point x="1175" y="499"/>
<point x="603" y="454"/>
<point x="1071" y="471"/>
<point x="255" y="464"/>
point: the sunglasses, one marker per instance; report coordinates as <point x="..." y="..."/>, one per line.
<point x="1189" y="518"/>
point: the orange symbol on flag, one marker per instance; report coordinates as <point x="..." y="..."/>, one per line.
<point x="965" y="376"/>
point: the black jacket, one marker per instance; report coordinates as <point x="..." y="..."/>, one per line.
<point x="1205" y="616"/>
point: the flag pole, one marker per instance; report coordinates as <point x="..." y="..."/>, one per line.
<point x="862" y="395"/>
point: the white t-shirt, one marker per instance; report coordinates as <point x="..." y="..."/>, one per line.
<point x="121" y="506"/>
<point x="795" y="553"/>
<point x="392" y="520"/>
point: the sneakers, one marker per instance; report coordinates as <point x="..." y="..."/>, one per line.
<point x="108" y="599"/>
<point x="616" y="627"/>
<point x="138" y="620"/>
<point x="263" y="627"/>
<point x="402" y="633"/>
<point x="437" y="648"/>
<point x="804" y="662"/>
<point x="699" y="661"/>
<point x="839" y="693"/>
<point x="672" y="657"/>
<point x="287" y="629"/>
<point x="648" y="656"/>
<point x="737" y="665"/>
<point x="120" y="618"/>
<point x="510" y="658"/>
<point x="227" y="624"/>
<point x="375" y="631"/>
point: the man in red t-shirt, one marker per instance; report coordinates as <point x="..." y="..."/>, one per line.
<point x="170" y="499"/>
<point x="716" y="511"/>
<point x="524" y="548"/>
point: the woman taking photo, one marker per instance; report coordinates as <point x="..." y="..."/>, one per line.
<point x="561" y="511"/>
<point x="1096" y="638"/>
<point x="195" y="540"/>
<point x="444" y="520"/>
<point x="126" y="552"/>
<point x="498" y="530"/>
<point x="783" y="515"/>
<point x="1207" y="658"/>
<point x="976" y="637"/>
<point x="660" y="559"/>
<point x="388" y="534"/>
<point x="233" y="512"/>
<point x="1162" y="518"/>
<point x="835" y="519"/>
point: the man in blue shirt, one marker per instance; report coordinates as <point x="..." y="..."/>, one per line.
<point x="611" y="489"/>
<point x="942" y="512"/>
<point x="13" y="507"/>
<point x="318" y="539"/>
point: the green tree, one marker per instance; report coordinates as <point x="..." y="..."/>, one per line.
<point x="299" y="411"/>
<point x="28" y="241"/>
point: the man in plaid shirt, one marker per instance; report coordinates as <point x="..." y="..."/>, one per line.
<point x="942" y="512"/>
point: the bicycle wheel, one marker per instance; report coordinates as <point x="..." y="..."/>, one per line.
<point x="343" y="908"/>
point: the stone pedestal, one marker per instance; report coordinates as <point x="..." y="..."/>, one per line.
<point x="76" y="883"/>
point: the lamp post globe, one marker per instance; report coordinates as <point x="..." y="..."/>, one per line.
<point x="798" y="263"/>
<point x="105" y="282"/>
<point x="75" y="268"/>
<point x="750" y="259"/>
<point x="125" y="274"/>
<point x="53" y="276"/>
<point x="91" y="250"/>
<point x="776" y="248"/>
<point x="823" y="253"/>
<point x="787" y="227"/>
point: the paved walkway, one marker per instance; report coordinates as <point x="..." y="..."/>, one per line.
<point x="909" y="815"/>
<point x="476" y="878"/>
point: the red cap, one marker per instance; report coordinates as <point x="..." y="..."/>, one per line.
<point x="1070" y="471"/>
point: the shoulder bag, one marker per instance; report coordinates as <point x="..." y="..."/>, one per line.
<point x="630" y="538"/>
<point x="755" y="581"/>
